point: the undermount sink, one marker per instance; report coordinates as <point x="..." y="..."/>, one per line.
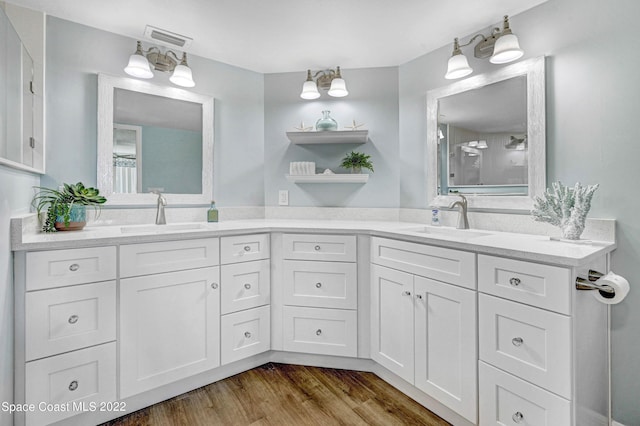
<point x="447" y="232"/>
<point x="160" y="229"/>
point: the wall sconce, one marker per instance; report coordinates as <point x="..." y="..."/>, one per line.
<point x="482" y="144"/>
<point x="325" y="79"/>
<point x="501" y="46"/>
<point x="140" y="65"/>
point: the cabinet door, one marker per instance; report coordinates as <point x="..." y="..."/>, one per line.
<point x="392" y="320"/>
<point x="169" y="328"/>
<point x="445" y="327"/>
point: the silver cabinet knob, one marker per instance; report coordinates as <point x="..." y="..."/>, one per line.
<point x="419" y="296"/>
<point x="318" y="332"/>
<point x="247" y="248"/>
<point x="517" y="417"/>
<point x="514" y="281"/>
<point x="406" y="293"/>
<point x="74" y="267"/>
<point x="214" y="286"/>
<point x="247" y="286"/>
<point x="318" y="285"/>
<point x="517" y="341"/>
<point x="247" y="334"/>
<point x="73" y="319"/>
<point x="317" y="248"/>
<point x="73" y="385"/>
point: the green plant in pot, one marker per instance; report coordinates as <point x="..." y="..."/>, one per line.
<point x="66" y="207"/>
<point x="356" y="161"/>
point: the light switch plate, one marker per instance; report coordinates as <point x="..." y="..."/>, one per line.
<point x="283" y="197"/>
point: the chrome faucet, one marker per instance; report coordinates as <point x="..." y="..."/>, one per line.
<point x="162" y="202"/>
<point x="463" y="221"/>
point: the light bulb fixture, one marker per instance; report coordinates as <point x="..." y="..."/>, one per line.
<point x="140" y="63"/>
<point x="473" y="144"/>
<point x="482" y="145"/>
<point x="329" y="80"/>
<point x="501" y="47"/>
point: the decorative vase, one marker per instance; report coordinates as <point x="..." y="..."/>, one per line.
<point x="77" y="219"/>
<point x="356" y="169"/>
<point x="326" y="122"/>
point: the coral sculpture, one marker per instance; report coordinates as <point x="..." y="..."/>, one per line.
<point x="565" y="207"/>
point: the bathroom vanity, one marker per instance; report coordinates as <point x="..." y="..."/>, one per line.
<point x="480" y="327"/>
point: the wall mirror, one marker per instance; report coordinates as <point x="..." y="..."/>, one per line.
<point x="153" y="138"/>
<point x="486" y="138"/>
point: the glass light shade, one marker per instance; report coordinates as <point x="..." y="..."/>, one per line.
<point x="482" y="145"/>
<point x="182" y="76"/>
<point x="338" y="88"/>
<point x="138" y="67"/>
<point x="506" y="49"/>
<point x="310" y="90"/>
<point x="473" y="144"/>
<point x="457" y="67"/>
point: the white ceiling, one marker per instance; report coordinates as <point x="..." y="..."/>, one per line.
<point x="293" y="35"/>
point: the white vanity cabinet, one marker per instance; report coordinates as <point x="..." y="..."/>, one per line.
<point x="245" y="284"/>
<point x="65" y="331"/>
<point x="169" y="321"/>
<point x="423" y="329"/>
<point x="320" y="294"/>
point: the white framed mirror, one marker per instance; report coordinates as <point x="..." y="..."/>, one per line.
<point x="153" y="138"/>
<point x="486" y="138"/>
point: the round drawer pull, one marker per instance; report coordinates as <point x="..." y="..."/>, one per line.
<point x="419" y="296"/>
<point x="517" y="341"/>
<point x="74" y="267"/>
<point x="514" y="281"/>
<point x="318" y="332"/>
<point x="73" y="385"/>
<point x="406" y="293"/>
<point x="517" y="417"/>
<point x="214" y="286"/>
<point x="247" y="334"/>
<point x="318" y="285"/>
<point x="317" y="248"/>
<point x="247" y="286"/>
<point x="247" y="248"/>
<point x="73" y="319"/>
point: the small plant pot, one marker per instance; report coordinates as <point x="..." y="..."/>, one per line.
<point x="77" y="219"/>
<point x="356" y="170"/>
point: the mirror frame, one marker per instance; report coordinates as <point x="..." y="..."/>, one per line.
<point x="533" y="69"/>
<point x="106" y="86"/>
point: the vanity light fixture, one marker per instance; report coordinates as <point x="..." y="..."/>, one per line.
<point x="482" y="145"/>
<point x="140" y="65"/>
<point x="500" y="47"/>
<point x="326" y="79"/>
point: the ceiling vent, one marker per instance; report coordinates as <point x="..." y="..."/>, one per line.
<point x="167" y="38"/>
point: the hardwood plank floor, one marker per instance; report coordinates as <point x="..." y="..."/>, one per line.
<point x="283" y="395"/>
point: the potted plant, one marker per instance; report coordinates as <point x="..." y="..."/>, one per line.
<point x="66" y="207"/>
<point x="356" y="161"/>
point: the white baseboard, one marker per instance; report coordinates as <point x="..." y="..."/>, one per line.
<point x="614" y="423"/>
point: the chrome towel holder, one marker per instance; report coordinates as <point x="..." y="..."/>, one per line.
<point x="592" y="284"/>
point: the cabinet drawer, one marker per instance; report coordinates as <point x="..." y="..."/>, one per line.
<point x="507" y="400"/>
<point x="77" y="378"/>
<point x="320" y="331"/>
<point x="337" y="248"/>
<point x="245" y="334"/>
<point x="530" y="343"/>
<point x="320" y="284"/>
<point x="442" y="264"/>
<point x="154" y="258"/>
<point x="64" y="319"/>
<point x="57" y="268"/>
<point x="244" y="248"/>
<point x="535" y="284"/>
<point x="245" y="285"/>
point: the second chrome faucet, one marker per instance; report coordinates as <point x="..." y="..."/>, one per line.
<point x="162" y="202"/>
<point x="463" y="221"/>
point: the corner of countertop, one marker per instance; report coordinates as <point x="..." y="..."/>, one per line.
<point x="20" y="225"/>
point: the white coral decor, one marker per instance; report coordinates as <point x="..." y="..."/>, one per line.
<point x="565" y="207"/>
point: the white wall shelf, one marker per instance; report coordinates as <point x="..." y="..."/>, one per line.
<point x="329" y="137"/>
<point x="321" y="178"/>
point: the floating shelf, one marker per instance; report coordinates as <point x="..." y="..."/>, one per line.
<point x="327" y="137"/>
<point x="321" y="178"/>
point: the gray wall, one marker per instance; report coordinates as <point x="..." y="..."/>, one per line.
<point x="373" y="100"/>
<point x="76" y="54"/>
<point x="592" y="108"/>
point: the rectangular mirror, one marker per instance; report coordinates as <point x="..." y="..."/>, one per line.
<point x="486" y="138"/>
<point x="153" y="138"/>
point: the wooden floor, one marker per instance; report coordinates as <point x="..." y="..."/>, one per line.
<point x="283" y="395"/>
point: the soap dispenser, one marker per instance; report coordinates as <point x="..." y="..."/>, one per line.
<point x="212" y="214"/>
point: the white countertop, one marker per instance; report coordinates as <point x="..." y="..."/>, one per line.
<point x="520" y="246"/>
